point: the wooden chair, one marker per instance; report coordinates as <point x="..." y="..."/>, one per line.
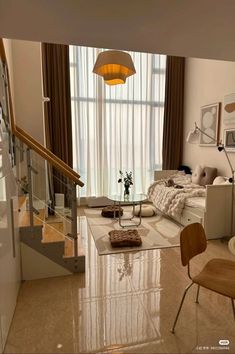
<point x="218" y="274"/>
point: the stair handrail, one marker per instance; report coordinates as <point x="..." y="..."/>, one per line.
<point x="45" y="153"/>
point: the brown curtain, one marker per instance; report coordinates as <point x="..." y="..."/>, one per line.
<point x="58" y="125"/>
<point x="173" y="114"/>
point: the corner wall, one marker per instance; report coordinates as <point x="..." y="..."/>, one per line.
<point x="206" y="82"/>
<point x="24" y="64"/>
<point x="28" y="88"/>
<point x="8" y="50"/>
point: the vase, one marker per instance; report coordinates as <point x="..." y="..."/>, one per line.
<point x="126" y="189"/>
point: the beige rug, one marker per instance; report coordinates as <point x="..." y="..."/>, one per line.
<point x="156" y="231"/>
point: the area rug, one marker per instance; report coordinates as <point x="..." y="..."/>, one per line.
<point x="156" y="232"/>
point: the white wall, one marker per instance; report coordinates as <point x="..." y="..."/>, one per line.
<point x="206" y="82"/>
<point x="8" y="50"/>
<point x="28" y="88"/>
<point x="24" y="63"/>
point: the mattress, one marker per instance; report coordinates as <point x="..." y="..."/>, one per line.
<point x="196" y="202"/>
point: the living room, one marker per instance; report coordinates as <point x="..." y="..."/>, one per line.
<point x="125" y="302"/>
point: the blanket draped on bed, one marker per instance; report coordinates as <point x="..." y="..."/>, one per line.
<point x="171" y="200"/>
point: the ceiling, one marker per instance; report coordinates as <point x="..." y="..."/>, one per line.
<point x="191" y="28"/>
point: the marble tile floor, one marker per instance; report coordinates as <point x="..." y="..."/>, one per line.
<point x="127" y="305"/>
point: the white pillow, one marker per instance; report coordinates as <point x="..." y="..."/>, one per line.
<point x="221" y="180"/>
<point x="231" y="245"/>
<point x="146" y="210"/>
<point x="196" y="174"/>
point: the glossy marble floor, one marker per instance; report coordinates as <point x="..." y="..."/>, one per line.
<point x="123" y="304"/>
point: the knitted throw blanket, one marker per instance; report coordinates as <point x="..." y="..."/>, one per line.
<point x="171" y="200"/>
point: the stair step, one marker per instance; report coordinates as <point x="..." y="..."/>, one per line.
<point x="69" y="247"/>
<point x="61" y="252"/>
<point x="53" y="232"/>
<point x="21" y="201"/>
<point x="24" y="218"/>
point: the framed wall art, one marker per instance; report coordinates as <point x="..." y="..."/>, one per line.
<point x="210" y="117"/>
<point x="229" y="109"/>
<point x="229" y="139"/>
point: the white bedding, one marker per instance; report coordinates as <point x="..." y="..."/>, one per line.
<point x="196" y="202"/>
<point x="171" y="200"/>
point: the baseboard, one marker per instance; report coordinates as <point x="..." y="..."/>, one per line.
<point x="94" y="202"/>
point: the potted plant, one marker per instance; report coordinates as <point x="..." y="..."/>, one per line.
<point x="127" y="181"/>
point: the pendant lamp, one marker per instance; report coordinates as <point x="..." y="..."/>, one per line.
<point x="114" y="66"/>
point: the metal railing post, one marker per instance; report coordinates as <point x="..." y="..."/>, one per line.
<point x="29" y="170"/>
<point x="74" y="230"/>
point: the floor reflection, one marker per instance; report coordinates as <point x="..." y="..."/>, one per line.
<point x="123" y="303"/>
<point x="111" y="314"/>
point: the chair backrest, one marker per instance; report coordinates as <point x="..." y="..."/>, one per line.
<point x="192" y="242"/>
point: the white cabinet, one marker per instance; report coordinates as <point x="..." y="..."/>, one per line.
<point x="1" y="342"/>
<point x="10" y="273"/>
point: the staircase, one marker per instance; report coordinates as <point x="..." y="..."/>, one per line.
<point x="49" y="237"/>
<point x="57" y="237"/>
<point x="47" y="244"/>
<point x="32" y="246"/>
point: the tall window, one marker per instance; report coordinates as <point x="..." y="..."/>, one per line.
<point x="116" y="127"/>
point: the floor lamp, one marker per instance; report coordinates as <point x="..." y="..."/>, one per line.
<point x="193" y="138"/>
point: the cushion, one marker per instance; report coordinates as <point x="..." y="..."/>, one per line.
<point x="231" y="245"/>
<point x="124" y="238"/>
<point x="146" y="210"/>
<point x="109" y="211"/>
<point x="221" y="180"/>
<point x="196" y="175"/>
<point x="186" y="169"/>
<point x="204" y="175"/>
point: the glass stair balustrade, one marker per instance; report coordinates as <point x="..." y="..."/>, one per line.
<point x="48" y="205"/>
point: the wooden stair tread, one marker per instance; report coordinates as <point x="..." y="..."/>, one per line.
<point x="69" y="247"/>
<point x="53" y="232"/>
<point x="24" y="218"/>
<point x="21" y="201"/>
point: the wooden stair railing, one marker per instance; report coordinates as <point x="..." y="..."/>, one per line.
<point x="45" y="153"/>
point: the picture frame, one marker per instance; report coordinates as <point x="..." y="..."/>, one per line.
<point x="229" y="139"/>
<point x="209" y="124"/>
<point x="229" y="109"/>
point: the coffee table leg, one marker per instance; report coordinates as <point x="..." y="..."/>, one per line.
<point x="119" y="212"/>
<point x="140" y="212"/>
<point x="133" y="211"/>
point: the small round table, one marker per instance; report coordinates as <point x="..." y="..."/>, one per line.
<point x="132" y="199"/>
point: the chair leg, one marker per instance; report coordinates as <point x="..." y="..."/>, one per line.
<point x="233" y="306"/>
<point x="198" y="288"/>
<point x="181" y="304"/>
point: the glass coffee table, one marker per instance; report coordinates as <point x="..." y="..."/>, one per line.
<point x="131" y="199"/>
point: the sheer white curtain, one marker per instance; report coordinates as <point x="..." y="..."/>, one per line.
<point x="116" y="127"/>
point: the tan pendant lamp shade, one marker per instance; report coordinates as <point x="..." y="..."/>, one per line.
<point x="114" y="66"/>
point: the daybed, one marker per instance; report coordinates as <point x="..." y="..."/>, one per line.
<point x="208" y="204"/>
